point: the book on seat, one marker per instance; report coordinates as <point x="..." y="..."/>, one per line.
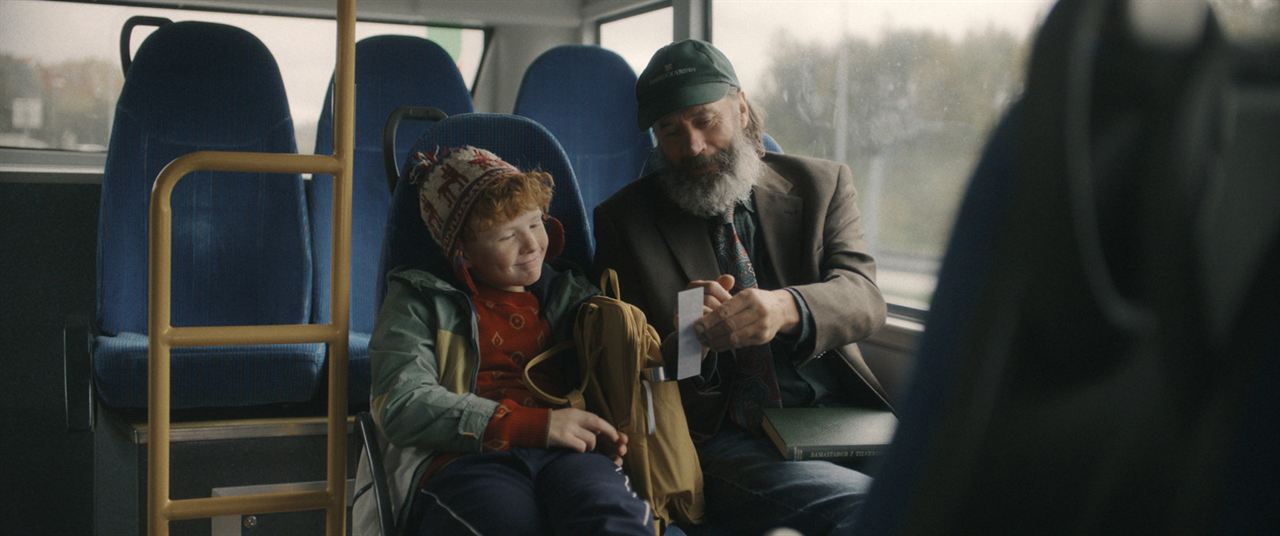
<point x="829" y="433"/>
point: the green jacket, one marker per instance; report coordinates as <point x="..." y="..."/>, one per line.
<point x="425" y="357"/>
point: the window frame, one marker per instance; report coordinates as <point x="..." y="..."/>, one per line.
<point x="630" y="12"/>
<point x="57" y="160"/>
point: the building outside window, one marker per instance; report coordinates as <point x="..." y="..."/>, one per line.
<point x="60" y="72"/>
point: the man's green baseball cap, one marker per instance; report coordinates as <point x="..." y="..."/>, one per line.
<point x="682" y="74"/>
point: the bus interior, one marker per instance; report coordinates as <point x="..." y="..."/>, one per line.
<point x="1074" y="207"/>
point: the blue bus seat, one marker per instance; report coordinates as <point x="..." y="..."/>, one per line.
<point x="241" y="253"/>
<point x="521" y="142"/>
<point x="770" y="144"/>
<point x="585" y="95"/>
<point x="518" y="140"/>
<point x="391" y="71"/>
<point x="1071" y="379"/>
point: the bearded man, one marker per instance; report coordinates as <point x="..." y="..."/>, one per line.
<point x="775" y="243"/>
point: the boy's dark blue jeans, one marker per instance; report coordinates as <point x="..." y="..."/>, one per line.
<point x="530" y="491"/>
<point x="750" y="489"/>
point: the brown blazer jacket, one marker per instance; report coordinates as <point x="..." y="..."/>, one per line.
<point x="808" y="218"/>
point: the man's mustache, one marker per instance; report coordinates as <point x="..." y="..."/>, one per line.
<point x="694" y="165"/>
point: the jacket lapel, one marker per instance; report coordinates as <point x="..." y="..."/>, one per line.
<point x="779" y="216"/>
<point x="690" y="241"/>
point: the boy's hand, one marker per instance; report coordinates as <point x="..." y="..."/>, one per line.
<point x="577" y="430"/>
<point x="615" y="450"/>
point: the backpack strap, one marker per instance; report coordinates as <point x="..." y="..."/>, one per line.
<point x="609" y="284"/>
<point x="574" y="398"/>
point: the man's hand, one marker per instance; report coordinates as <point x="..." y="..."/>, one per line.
<point x="578" y="430"/>
<point x="714" y="293"/>
<point x="752" y="317"/>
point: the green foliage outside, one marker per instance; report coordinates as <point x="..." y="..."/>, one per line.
<point x="908" y="113"/>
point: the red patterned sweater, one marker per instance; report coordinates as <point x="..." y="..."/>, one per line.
<point x="511" y="331"/>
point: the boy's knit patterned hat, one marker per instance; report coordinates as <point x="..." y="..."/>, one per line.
<point x="449" y="181"/>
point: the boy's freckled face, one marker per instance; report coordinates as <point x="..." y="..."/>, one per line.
<point x="509" y="255"/>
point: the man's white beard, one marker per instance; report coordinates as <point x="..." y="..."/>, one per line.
<point x="711" y="195"/>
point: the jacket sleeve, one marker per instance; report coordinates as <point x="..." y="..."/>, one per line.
<point x="408" y="400"/>
<point x="612" y="252"/>
<point x="845" y="303"/>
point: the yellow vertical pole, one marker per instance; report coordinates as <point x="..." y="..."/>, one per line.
<point x="344" y="103"/>
<point x="163" y="336"/>
<point x="161" y="509"/>
<point x="158" y="387"/>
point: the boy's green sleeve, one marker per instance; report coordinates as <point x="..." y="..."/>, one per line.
<point x="409" y="400"/>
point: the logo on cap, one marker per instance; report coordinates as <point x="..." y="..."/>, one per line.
<point x="670" y="73"/>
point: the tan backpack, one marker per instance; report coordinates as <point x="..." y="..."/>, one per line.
<point x="620" y="360"/>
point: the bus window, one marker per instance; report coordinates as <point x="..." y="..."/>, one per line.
<point x="60" y="71"/>
<point x="636" y="36"/>
<point x="903" y="92"/>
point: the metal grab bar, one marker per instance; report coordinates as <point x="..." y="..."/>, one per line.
<point x="420" y="113"/>
<point x="162" y="335"/>
<point x="126" y="35"/>
<point x="230" y="335"/>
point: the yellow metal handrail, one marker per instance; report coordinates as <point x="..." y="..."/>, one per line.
<point x="162" y="335"/>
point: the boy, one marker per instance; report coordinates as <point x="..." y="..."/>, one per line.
<point x="470" y="449"/>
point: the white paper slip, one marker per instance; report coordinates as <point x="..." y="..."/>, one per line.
<point x="690" y="350"/>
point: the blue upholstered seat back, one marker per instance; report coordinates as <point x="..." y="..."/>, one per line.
<point x="518" y="140"/>
<point x="241" y="252"/>
<point x="391" y="71"/>
<point x="242" y="232"/>
<point x="770" y="144"/>
<point x="585" y="95"/>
